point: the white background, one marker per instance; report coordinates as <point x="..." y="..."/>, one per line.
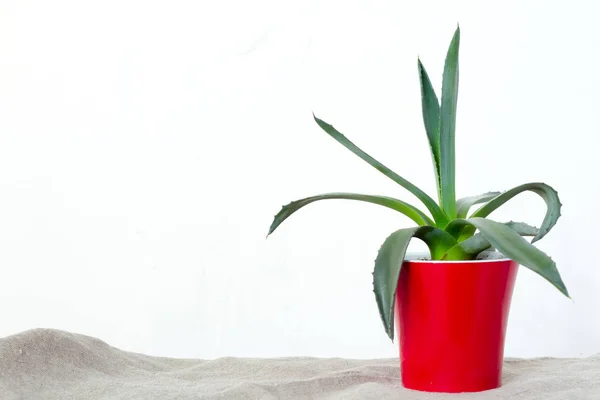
<point x="145" y="147"/>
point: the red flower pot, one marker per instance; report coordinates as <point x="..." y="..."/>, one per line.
<point x="451" y="318"/>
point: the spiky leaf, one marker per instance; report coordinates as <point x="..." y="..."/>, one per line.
<point x="471" y="247"/>
<point x="513" y="246"/>
<point x="546" y="192"/>
<point x="389" y="262"/>
<point x="431" y="119"/>
<point x="410" y="211"/>
<point x="448" y="126"/>
<point x="437" y="213"/>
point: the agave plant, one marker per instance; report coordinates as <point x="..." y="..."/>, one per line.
<point x="448" y="230"/>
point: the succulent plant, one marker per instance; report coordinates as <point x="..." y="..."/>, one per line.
<point x="449" y="231"/>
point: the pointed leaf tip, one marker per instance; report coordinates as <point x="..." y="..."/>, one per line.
<point x="437" y="213"/>
<point x="431" y="119"/>
<point x="406" y="209"/>
<point x="447" y="128"/>
<point x="546" y="192"/>
<point x="509" y="243"/>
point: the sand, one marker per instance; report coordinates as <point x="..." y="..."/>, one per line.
<point x="50" y="364"/>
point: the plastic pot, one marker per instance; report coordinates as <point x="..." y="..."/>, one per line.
<point x="451" y="318"/>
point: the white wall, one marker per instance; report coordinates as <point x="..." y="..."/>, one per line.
<point x="145" y="146"/>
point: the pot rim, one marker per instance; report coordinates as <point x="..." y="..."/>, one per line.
<point x="413" y="258"/>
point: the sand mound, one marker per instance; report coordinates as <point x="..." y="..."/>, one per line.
<point x="50" y="364"/>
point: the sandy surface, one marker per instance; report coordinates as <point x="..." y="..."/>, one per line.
<point x="50" y="364"/>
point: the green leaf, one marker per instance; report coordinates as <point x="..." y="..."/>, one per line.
<point x="471" y="247"/>
<point x="464" y="205"/>
<point x="437" y="213"/>
<point x="546" y="192"/>
<point x="410" y="211"/>
<point x="389" y="262"/>
<point x="513" y="246"/>
<point x="448" y="126"/>
<point x="431" y="120"/>
<point x="522" y="228"/>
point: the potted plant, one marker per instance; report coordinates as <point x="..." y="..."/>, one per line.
<point x="451" y="309"/>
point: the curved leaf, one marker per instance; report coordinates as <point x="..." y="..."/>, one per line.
<point x="513" y="246"/>
<point x="471" y="247"/>
<point x="546" y="192"/>
<point x="431" y="118"/>
<point x="448" y="126"/>
<point x="410" y="211"/>
<point x="389" y="262"/>
<point x="464" y="205"/>
<point x="437" y="213"/>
